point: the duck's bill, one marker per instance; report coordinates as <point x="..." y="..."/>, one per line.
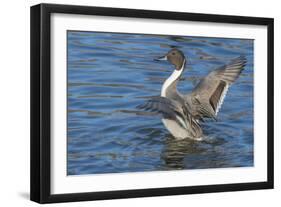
<point x="161" y="58"/>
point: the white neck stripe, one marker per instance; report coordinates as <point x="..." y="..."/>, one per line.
<point x="173" y="77"/>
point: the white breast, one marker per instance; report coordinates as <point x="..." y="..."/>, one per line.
<point x="176" y="130"/>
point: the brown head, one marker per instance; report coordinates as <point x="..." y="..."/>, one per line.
<point x="176" y="57"/>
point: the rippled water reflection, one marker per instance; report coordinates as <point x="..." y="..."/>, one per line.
<point x="110" y="74"/>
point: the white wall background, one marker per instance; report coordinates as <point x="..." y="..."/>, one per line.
<point x="14" y="103"/>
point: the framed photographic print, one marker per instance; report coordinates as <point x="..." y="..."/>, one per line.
<point x="132" y="103"/>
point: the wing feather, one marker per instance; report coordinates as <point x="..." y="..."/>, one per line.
<point x="208" y="96"/>
<point x="169" y="109"/>
<point x="217" y="95"/>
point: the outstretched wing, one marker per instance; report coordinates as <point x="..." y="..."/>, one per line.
<point x="169" y="109"/>
<point x="207" y="97"/>
<point x="173" y="110"/>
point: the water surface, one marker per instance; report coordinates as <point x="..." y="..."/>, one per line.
<point x="109" y="74"/>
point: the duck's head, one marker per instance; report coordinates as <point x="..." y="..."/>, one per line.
<point x="175" y="57"/>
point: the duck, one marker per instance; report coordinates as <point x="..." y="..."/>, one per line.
<point x="183" y="114"/>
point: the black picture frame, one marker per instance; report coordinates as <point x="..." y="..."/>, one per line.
<point x="41" y="98"/>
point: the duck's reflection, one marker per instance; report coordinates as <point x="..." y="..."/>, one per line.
<point x="175" y="152"/>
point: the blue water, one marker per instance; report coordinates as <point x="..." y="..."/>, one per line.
<point x="110" y="74"/>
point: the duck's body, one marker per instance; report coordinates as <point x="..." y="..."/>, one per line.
<point x="182" y="113"/>
<point x="169" y="90"/>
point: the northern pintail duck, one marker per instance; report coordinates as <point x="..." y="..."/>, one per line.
<point x="182" y="114"/>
